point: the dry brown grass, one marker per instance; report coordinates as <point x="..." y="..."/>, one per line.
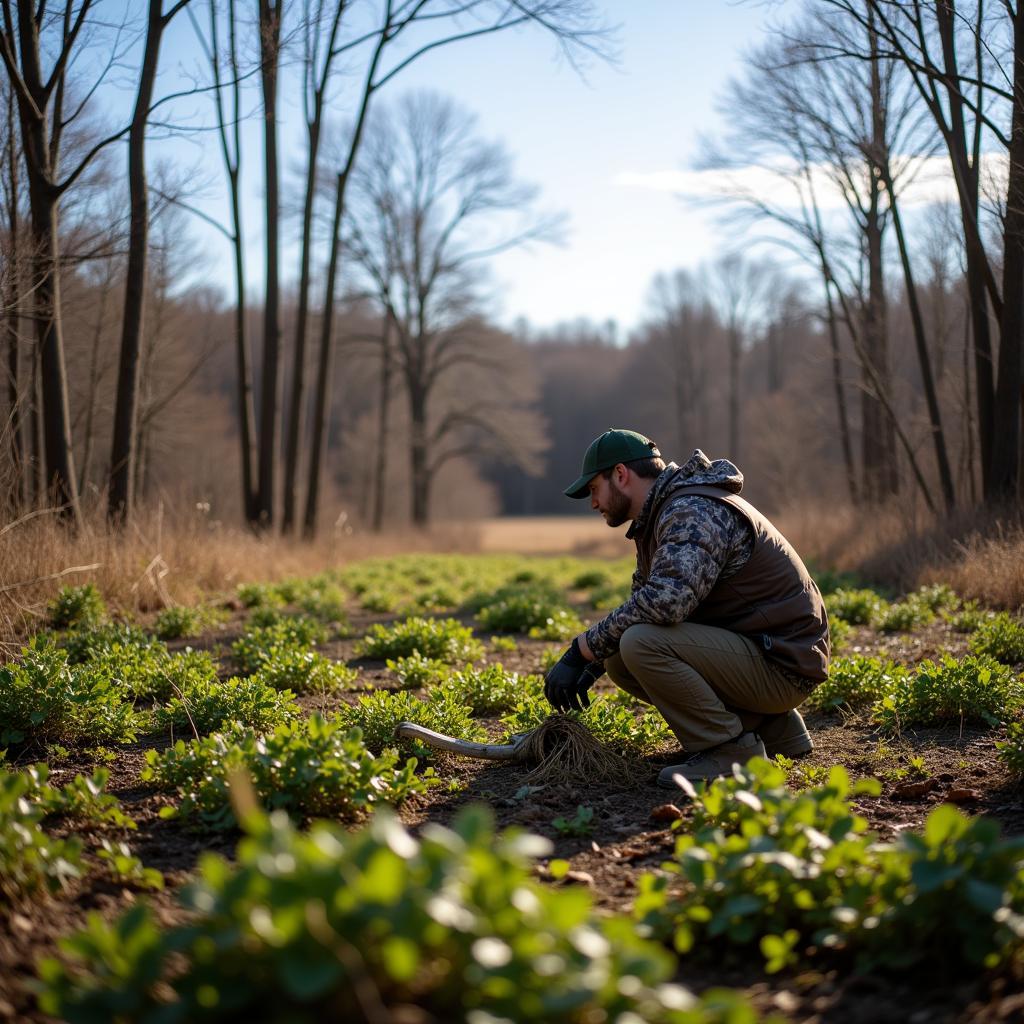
<point x="164" y="559"/>
<point x="979" y="552"/>
<point x="184" y="558"/>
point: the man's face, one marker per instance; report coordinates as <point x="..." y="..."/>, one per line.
<point x="607" y="499"/>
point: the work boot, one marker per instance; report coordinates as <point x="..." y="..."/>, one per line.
<point x="785" y="734"/>
<point x="709" y="764"/>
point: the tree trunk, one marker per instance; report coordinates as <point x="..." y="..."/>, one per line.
<point x="380" y="470"/>
<point x="1006" y="440"/>
<point x="94" y="379"/>
<point x="122" y="451"/>
<point x="270" y="38"/>
<point x="419" y="474"/>
<point x="321" y="409"/>
<point x="978" y="270"/>
<point x="923" y="356"/>
<point x="837" y="383"/>
<point x="12" y="319"/>
<point x="291" y="461"/>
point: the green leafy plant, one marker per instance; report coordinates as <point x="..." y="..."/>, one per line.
<point x="976" y="689"/>
<point x="125" y="868"/>
<point x="857" y="607"/>
<point x="856" y="682"/>
<point x="1011" y="750"/>
<point x="530" y="607"/>
<point x="261" y="644"/>
<point x="1000" y="637"/>
<point x="208" y="705"/>
<point x="304" y="671"/>
<point x="29" y="858"/>
<point x="75" y="607"/>
<point x="610" y="595"/>
<point x="492" y="689"/>
<point x="969" y="617"/>
<point x="904" y="616"/>
<point x="630" y="729"/>
<point x="445" y="640"/>
<point x="453" y="917"/>
<point x="44" y="700"/>
<point x="580" y="824"/>
<point x="800" y="875"/>
<point x="182" y="620"/>
<point x="259" y="595"/>
<point x="93" y="643"/>
<point x="417" y="671"/>
<point x="313" y="766"/>
<point x="378" y="714"/>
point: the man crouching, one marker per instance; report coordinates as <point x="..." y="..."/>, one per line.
<point x="725" y="632"/>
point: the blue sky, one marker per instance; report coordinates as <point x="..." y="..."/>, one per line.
<point x="594" y="144"/>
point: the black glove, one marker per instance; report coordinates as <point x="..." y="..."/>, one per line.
<point x="567" y="681"/>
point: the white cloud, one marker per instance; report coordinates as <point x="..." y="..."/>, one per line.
<point x="931" y="181"/>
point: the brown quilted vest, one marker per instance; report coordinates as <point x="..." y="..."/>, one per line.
<point x="772" y="600"/>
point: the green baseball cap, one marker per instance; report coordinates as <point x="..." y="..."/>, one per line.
<point x="611" y="448"/>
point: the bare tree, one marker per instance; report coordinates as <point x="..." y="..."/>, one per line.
<point x="740" y="290"/>
<point x="974" y="102"/>
<point x="122" y="451"/>
<point x="682" y="327"/>
<point x="430" y="200"/>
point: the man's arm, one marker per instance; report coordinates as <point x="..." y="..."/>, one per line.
<point x="697" y="538"/>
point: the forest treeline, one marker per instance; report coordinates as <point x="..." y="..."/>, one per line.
<point x="868" y="349"/>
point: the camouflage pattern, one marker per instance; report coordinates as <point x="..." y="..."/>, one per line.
<point x="696" y="541"/>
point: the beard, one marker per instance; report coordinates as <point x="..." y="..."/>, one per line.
<point x="618" y="506"/>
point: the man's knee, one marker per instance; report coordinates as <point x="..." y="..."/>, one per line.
<point x="637" y="643"/>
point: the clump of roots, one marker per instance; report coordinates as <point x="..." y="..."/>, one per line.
<point x="562" y="748"/>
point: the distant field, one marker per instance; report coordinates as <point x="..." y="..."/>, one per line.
<point x="552" y="535"/>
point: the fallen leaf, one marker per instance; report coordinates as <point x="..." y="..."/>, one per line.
<point x="962" y="796"/>
<point x="914" y="790"/>
<point x="581" y="877"/>
<point x="666" y="812"/>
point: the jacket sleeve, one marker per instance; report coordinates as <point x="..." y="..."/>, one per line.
<point x="697" y="538"/>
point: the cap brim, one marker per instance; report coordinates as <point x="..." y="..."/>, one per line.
<point x="579" y="488"/>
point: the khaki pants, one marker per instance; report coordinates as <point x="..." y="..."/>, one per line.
<point x="698" y="677"/>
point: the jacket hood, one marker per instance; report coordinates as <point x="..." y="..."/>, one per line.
<point x="698" y="470"/>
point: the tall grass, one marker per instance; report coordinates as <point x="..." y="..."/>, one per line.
<point x="165" y="558"/>
<point x="978" y="552"/>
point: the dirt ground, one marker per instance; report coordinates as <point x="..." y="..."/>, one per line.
<point x="625" y="841"/>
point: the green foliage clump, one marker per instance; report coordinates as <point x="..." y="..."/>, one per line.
<point x="417" y="671"/>
<point x="904" y="616"/>
<point x="831" y="580"/>
<point x="313" y="766"/>
<point x="378" y="714"/>
<point x="856" y="682"/>
<point x="442" y="639"/>
<point x="259" y="595"/>
<point x="974" y="689"/>
<point x="937" y="598"/>
<point x="452" y="920"/>
<point x="1011" y="750"/>
<point x="530" y="607"/>
<point x="208" y="705"/>
<point x="1000" y="637"/>
<point x="261" y="644"/>
<point x="304" y="671"/>
<point x="77" y="607"/>
<point x="970" y="617"/>
<point x="45" y="700"/>
<point x="799" y="875"/>
<point x="94" y="642"/>
<point x="613" y="722"/>
<point x="182" y="620"/>
<point x="610" y="595"/>
<point x="590" y="578"/>
<point x="856" y="607"/>
<point x="31" y="859"/>
<point x="492" y="689"/>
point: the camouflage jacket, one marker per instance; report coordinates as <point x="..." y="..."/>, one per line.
<point x="697" y="541"/>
